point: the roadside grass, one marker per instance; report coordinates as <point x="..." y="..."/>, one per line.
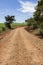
<point x="35" y="32"/>
<point x="18" y="25"/>
<point x="2" y="26"/>
<point x="13" y="25"/>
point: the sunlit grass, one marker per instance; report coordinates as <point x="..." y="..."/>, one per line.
<point x="13" y="25"/>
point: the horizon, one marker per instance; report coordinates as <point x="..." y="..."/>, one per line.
<point x="21" y="9"/>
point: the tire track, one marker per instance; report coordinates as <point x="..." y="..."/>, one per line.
<point x="19" y="48"/>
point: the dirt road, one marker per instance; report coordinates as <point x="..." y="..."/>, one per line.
<point x="19" y="47"/>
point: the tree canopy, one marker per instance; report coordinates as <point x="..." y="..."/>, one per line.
<point x="38" y="14"/>
<point x="9" y="20"/>
<point x="37" y="20"/>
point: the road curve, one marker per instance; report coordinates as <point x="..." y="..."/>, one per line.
<point x="19" y="47"/>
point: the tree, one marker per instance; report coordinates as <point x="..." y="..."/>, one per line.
<point x="9" y="20"/>
<point x="38" y="15"/>
<point x="31" y="23"/>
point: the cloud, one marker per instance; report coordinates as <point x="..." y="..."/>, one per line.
<point x="26" y="6"/>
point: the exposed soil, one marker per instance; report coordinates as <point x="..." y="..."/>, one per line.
<point x="19" y="47"/>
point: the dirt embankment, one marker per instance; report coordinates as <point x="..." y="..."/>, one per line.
<point x="19" y="47"/>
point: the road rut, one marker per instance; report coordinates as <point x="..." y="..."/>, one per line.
<point x="19" y="47"/>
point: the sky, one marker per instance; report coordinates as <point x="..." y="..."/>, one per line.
<point x="21" y="9"/>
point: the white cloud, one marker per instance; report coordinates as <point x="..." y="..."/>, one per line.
<point x="26" y="6"/>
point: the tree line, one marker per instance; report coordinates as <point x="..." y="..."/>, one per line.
<point x="36" y="22"/>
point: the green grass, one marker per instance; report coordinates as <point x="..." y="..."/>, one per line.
<point x="18" y="24"/>
<point x="2" y="25"/>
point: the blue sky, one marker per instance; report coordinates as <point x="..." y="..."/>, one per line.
<point x="21" y="9"/>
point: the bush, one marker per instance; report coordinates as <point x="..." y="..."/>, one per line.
<point x="3" y="29"/>
<point x="41" y="29"/>
<point x="34" y="25"/>
<point x="8" y="25"/>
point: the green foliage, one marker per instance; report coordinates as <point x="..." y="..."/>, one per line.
<point x="13" y="25"/>
<point x="9" y="20"/>
<point x="34" y="25"/>
<point x="37" y="21"/>
<point x="31" y="22"/>
<point x="2" y="27"/>
<point x="38" y="15"/>
<point x="18" y="24"/>
<point x="41" y="29"/>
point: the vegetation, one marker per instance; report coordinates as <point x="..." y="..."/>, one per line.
<point x="38" y="16"/>
<point x="32" y="23"/>
<point x="18" y="24"/>
<point x="9" y="20"/>
<point x="37" y="21"/>
<point x="13" y="25"/>
<point x="2" y="27"/>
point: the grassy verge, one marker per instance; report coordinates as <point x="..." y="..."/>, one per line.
<point x="13" y="25"/>
<point x="2" y="26"/>
<point x="18" y="24"/>
<point x="34" y="32"/>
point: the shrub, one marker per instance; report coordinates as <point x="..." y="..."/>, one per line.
<point x="34" y="25"/>
<point x="3" y="29"/>
<point x="41" y="29"/>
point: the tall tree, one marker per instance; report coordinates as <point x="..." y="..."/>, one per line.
<point x="9" y="20"/>
<point x="38" y="15"/>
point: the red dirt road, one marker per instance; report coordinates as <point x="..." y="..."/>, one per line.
<point x="19" y="47"/>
